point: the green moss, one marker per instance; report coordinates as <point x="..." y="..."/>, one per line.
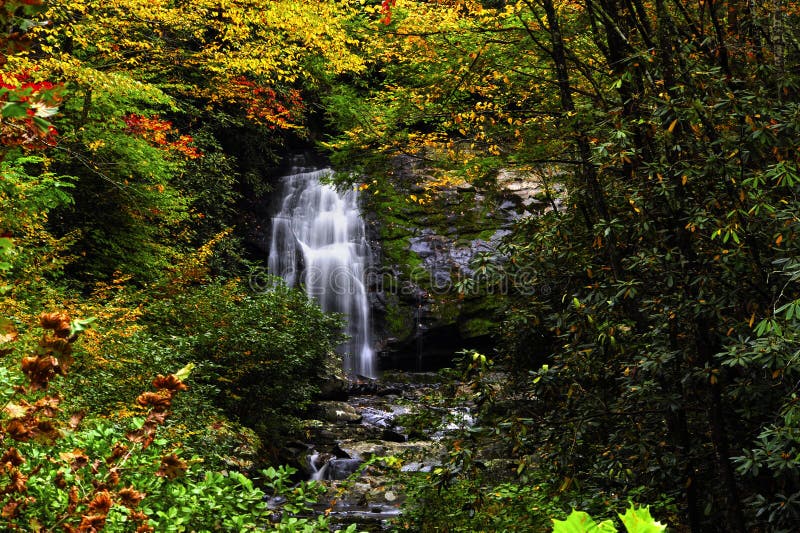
<point x="396" y="251"/>
<point x="456" y="215"/>
<point x="476" y="327"/>
<point x="486" y="234"/>
<point x="399" y="321"/>
<point x="484" y="305"/>
<point x="447" y="310"/>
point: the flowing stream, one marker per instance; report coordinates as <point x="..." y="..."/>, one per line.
<point x="318" y="240"/>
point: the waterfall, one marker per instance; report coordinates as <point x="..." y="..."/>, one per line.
<point x="318" y="239"/>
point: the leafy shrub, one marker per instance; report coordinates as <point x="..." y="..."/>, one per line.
<point x="258" y="359"/>
<point x="88" y="474"/>
<point x="262" y="352"/>
<point x="475" y="503"/>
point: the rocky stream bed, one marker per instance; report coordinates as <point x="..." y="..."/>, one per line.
<point x="406" y="416"/>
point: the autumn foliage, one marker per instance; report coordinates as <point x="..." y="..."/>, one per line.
<point x="93" y="484"/>
<point x="386" y="11"/>
<point x="26" y="107"/>
<point x="12" y="37"/>
<point x="264" y="105"/>
<point x="161" y="133"/>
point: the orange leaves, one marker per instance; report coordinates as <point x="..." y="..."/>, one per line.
<point x="153" y="129"/>
<point x="17" y="430"/>
<point x="264" y="105"/>
<point x="101" y="503"/>
<point x="159" y="403"/>
<point x="28" y="421"/>
<point x="40" y="370"/>
<point x="170" y="383"/>
<point x="11" y="458"/>
<point x="10" y="509"/>
<point x="26" y="107"/>
<point x="91" y="523"/>
<point x="8" y="334"/>
<point x="161" y="133"/>
<point x="54" y="321"/>
<point x="14" y="39"/>
<point x="130" y="497"/>
<point x="54" y="354"/>
<point x="76" y="459"/>
<point x="17" y="482"/>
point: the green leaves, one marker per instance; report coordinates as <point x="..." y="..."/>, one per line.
<point x="184" y="372"/>
<point x="80" y="324"/>
<point x="790" y="310"/>
<point x="635" y="521"/>
<point x="6" y="251"/>
<point x="640" y="521"/>
<point x="15" y="110"/>
<point x="580" y="522"/>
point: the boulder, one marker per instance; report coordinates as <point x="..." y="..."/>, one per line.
<point x="335" y="411"/>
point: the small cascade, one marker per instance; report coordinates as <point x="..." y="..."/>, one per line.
<point x="318" y="464"/>
<point x="318" y="239"/>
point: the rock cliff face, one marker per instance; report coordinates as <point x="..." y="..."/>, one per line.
<point x="430" y="245"/>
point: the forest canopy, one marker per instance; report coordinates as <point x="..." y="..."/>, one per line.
<point x="660" y="365"/>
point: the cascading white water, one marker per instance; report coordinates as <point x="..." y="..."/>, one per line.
<point x="319" y="234"/>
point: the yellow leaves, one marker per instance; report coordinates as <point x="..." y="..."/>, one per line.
<point x="96" y="145"/>
<point x="672" y="125"/>
<point x="268" y="42"/>
<point x="421" y="200"/>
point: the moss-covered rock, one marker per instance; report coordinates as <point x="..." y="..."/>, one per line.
<point x="427" y="238"/>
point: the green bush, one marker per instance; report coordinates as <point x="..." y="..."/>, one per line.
<point x="258" y="360"/>
<point x="261" y="352"/>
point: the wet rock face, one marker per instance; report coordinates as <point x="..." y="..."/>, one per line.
<point x="425" y="252"/>
<point x="340" y="469"/>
